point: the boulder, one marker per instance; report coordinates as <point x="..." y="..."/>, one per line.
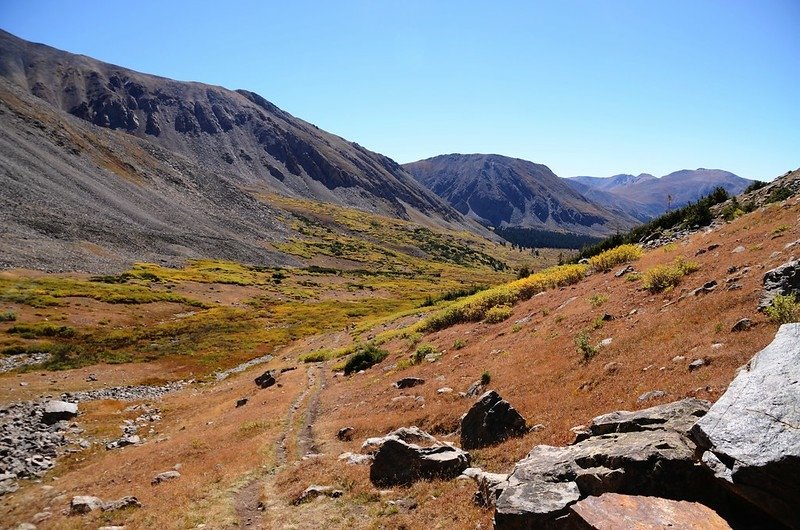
<point x="490" y="420"/>
<point x="490" y="485"/>
<point x="637" y="453"/>
<point x="266" y="380"/>
<point x="84" y="504"/>
<point x="751" y="434"/>
<point x="612" y="511"/>
<point x="55" y="411"/>
<point x="163" y="477"/>
<point x="408" y="382"/>
<point x="400" y="463"/>
<point x="413" y="435"/>
<point x="781" y="280"/>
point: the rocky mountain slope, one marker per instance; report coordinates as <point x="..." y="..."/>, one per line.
<point x="645" y="196"/>
<point x="102" y="164"/>
<point x="502" y="191"/>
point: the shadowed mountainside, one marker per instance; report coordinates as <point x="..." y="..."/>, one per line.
<point x="503" y="191"/>
<point x="100" y="159"/>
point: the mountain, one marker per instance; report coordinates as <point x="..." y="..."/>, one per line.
<point x="645" y="196"/>
<point x="102" y="164"/>
<point x="508" y="192"/>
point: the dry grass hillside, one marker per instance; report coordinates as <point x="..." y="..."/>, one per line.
<point x="244" y="466"/>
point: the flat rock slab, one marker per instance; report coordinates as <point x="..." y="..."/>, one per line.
<point x="679" y="416"/>
<point x="55" y="411"/>
<point x="612" y="511"/>
<point x="411" y="434"/>
<point x="752" y="433"/>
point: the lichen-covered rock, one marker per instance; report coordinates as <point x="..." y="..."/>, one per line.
<point x="781" y="280"/>
<point x="752" y="433"/>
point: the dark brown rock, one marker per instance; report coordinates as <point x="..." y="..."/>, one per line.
<point x="490" y="420"/>
<point x="612" y="511"/>
<point x="400" y="463"/>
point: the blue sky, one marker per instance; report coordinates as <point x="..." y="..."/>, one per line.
<point x="586" y="87"/>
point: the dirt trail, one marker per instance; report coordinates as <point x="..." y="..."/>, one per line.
<point x="254" y="502"/>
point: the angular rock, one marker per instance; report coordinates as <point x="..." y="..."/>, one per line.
<point x="697" y="364"/>
<point x="651" y="395"/>
<point x="345" y="434"/>
<point x="678" y="416"/>
<point x="241" y="402"/>
<point x="490" y="420"/>
<point x="356" y="459"/>
<point x="413" y="435"/>
<point x="163" y="477"/>
<point x="314" y="491"/>
<point x="742" y="325"/>
<point x="752" y="433"/>
<point x="55" y="411"/>
<point x="400" y="463"/>
<point x="490" y="485"/>
<point x="408" y="382"/>
<point x="783" y="280"/>
<point x="84" y="504"/>
<point x="612" y="511"/>
<point x="265" y="380"/>
<point x="119" y="504"/>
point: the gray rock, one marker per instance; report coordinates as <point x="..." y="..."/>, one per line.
<point x="163" y="477"/>
<point x="55" y="411"/>
<point x="490" y="420"/>
<point x="413" y="435"/>
<point x="356" y="459"/>
<point x="265" y="380"/>
<point x="678" y="416"/>
<point x="408" y="382"/>
<point x="783" y="280"/>
<point x="742" y="325"/>
<point x="25" y="526"/>
<point x="751" y="433"/>
<point x="474" y="389"/>
<point x="84" y="504"/>
<point x="345" y="434"/>
<point x="315" y="491"/>
<point x="490" y="485"/>
<point x="651" y="395"/>
<point x="119" y="504"/>
<point x="444" y="390"/>
<point x="697" y="364"/>
<point x="400" y="463"/>
<point x="623" y="271"/>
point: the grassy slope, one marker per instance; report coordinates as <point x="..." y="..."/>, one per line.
<point x="531" y="356"/>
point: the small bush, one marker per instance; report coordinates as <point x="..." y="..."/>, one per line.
<point x="780" y="229"/>
<point x="41" y="329"/>
<point x="8" y="316"/>
<point x="586" y="350"/>
<point x="364" y="357"/>
<point x="498" y="314"/>
<point x="596" y="300"/>
<point x="778" y="194"/>
<point x="423" y="351"/>
<point x="604" y="261"/>
<point x="486" y="378"/>
<point x="413" y="339"/>
<point x="516" y="328"/>
<point x="665" y="277"/>
<point x="458" y="344"/>
<point x="784" y="309"/>
<point x="755" y="185"/>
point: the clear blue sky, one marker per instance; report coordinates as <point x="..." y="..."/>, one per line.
<point x="586" y="87"/>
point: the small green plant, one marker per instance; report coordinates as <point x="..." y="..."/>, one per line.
<point x="458" y="344"/>
<point x="516" y="328"/>
<point x="486" y="378"/>
<point x="413" y="339"/>
<point x="364" y="357"/>
<point x="778" y="194"/>
<point x="8" y="316"/>
<point x="718" y="327"/>
<point x="41" y="329"/>
<point x="596" y="300"/>
<point x="559" y="319"/>
<point x="780" y="229"/>
<point x="633" y="276"/>
<point x="586" y="350"/>
<point x="669" y="247"/>
<point x="423" y="351"/>
<point x="784" y="309"/>
<point x="498" y="313"/>
<point x="545" y="312"/>
<point x="666" y="277"/>
<point x="598" y="322"/>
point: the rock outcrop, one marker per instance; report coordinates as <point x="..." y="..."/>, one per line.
<point x="413" y="435"/>
<point x="491" y="420"/>
<point x="636" y="453"/>
<point x="781" y="280"/>
<point x="752" y="434"/>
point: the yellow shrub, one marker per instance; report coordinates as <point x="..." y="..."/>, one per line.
<point x="665" y="277"/>
<point x="498" y="314"/>
<point x="615" y="256"/>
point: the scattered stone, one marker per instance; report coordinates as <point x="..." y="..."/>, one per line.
<point x="356" y="459"/>
<point x="163" y="477"/>
<point x="474" y="389"/>
<point x="91" y="378"/>
<point x="82" y="504"/>
<point x="412" y="434"/>
<point x="783" y="280"/>
<point x="697" y="364"/>
<point x="738" y="250"/>
<point x="751" y="434"/>
<point x="444" y="390"/>
<point x="25" y="526"/>
<point x="408" y="382"/>
<point x="241" y="402"/>
<point x="651" y="395"/>
<point x="41" y="516"/>
<point x="265" y="380"/>
<point x="623" y="271"/>
<point x="119" y="504"/>
<point x="606" y="342"/>
<point x="678" y="359"/>
<point x="312" y="492"/>
<point x="712" y="246"/>
<point x="8" y="483"/>
<point x="55" y="411"/>
<point x="742" y="325"/>
<point x="400" y="463"/>
<point x="345" y="434"/>
<point x="490" y="420"/>
<point x="536" y="428"/>
<point x="707" y="287"/>
<point x="609" y="510"/>
<point x="244" y="366"/>
<point x="612" y="367"/>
